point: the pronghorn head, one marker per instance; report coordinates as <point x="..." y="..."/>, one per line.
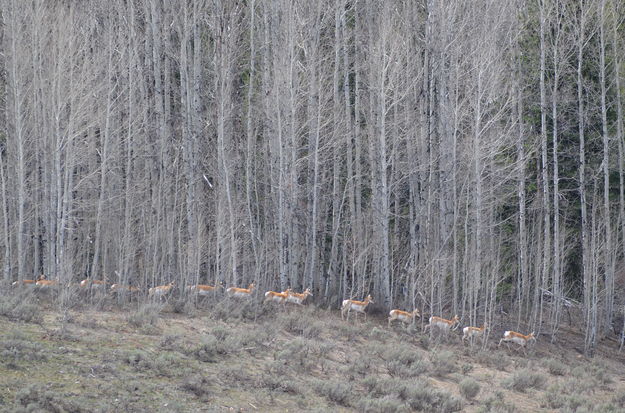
<point x="531" y="337"/>
<point x="415" y="313"/>
<point x="307" y="292"/>
<point x="369" y="299"/>
<point x="250" y="287"/>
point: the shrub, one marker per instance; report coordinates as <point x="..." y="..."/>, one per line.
<point x="378" y="334"/>
<point x="450" y="403"/>
<point x="313" y="330"/>
<point x="165" y="364"/>
<point x="38" y="398"/>
<point x="619" y="399"/>
<point x="421" y="396"/>
<point x="381" y="386"/>
<point x="402" y="354"/>
<point x="301" y="325"/>
<point x="424" y="341"/>
<point x="247" y="309"/>
<point x="402" y="362"/>
<point x="146" y="314"/>
<point x="555" y="396"/>
<point x="236" y="374"/>
<point x="555" y="367"/>
<point x="599" y="370"/>
<point x="277" y="383"/>
<point x="299" y="353"/>
<point x="16" y="347"/>
<point x="496" y="405"/>
<point x="20" y="306"/>
<point x="252" y="337"/>
<point x="169" y="364"/>
<point x="579" y="384"/>
<point x="220" y="332"/>
<point x="387" y="404"/>
<point x="348" y="331"/>
<point x="522" y="380"/>
<point x="361" y="365"/>
<point x="494" y="359"/>
<point x="335" y="391"/>
<point x="443" y="363"/>
<point x="170" y="342"/>
<point x="138" y="359"/>
<point x="375" y="348"/>
<point x="397" y="368"/>
<point x="196" y="384"/>
<point x="469" y="388"/>
<point x="466" y="368"/>
<point x="182" y="306"/>
<point x="209" y="349"/>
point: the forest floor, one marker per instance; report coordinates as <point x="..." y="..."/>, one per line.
<point x="219" y="355"/>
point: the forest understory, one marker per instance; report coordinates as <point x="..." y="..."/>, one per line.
<point x="221" y="354"/>
<point x="459" y="157"/>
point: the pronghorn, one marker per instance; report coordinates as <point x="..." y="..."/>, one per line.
<point x="117" y="288"/>
<point x="357" y="306"/>
<point x="160" y="291"/>
<point x="46" y="283"/>
<point x="93" y="284"/>
<point x="296" y="298"/>
<point x="518" y="338"/>
<point x="279" y="298"/>
<point x="403" y="316"/>
<point x="240" y="292"/>
<point x="471" y="332"/>
<point x="202" y="289"/>
<point x="29" y="282"/>
<point x="442" y="324"/>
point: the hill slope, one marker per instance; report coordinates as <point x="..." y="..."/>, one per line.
<point x="221" y="356"/>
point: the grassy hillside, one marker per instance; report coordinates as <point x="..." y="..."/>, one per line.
<point x="220" y="356"/>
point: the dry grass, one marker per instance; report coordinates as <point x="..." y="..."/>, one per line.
<point x="153" y="357"/>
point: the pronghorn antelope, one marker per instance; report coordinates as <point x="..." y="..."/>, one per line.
<point x="160" y="291"/>
<point x="45" y="284"/>
<point x="93" y="284"/>
<point x="202" y="289"/>
<point x="442" y="324"/>
<point x="118" y="288"/>
<point x="518" y="338"/>
<point x="28" y="282"/>
<point x="471" y="332"/>
<point x="241" y="292"/>
<point x="296" y="298"/>
<point x="280" y="298"/>
<point x="357" y="306"/>
<point x="403" y="316"/>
